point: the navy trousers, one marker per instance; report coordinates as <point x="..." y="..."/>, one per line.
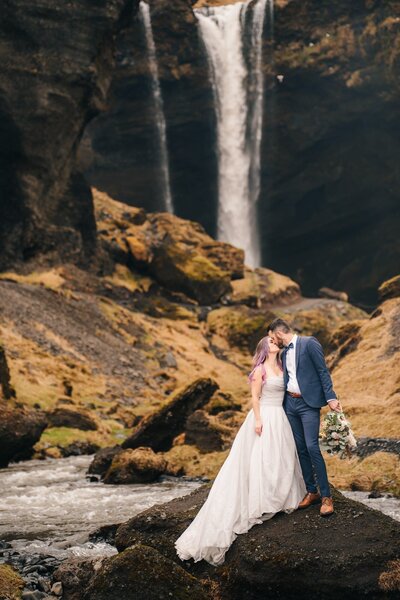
<point x="305" y="423"/>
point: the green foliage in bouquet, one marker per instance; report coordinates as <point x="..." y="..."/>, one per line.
<point x="337" y="436"/>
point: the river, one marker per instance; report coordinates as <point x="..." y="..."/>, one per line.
<point x="50" y="507"/>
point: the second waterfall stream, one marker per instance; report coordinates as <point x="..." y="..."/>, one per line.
<point x="233" y="36"/>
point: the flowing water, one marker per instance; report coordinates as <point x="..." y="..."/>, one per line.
<point x="49" y="506"/>
<point x="158" y="106"/>
<point x="233" y="36"/>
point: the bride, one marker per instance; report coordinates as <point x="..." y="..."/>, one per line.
<point x="261" y="475"/>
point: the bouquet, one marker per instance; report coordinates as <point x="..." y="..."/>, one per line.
<point x="337" y="436"/>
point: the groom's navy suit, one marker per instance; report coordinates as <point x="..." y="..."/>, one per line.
<point x="316" y="389"/>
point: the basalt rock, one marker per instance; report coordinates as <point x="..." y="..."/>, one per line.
<point x="20" y="429"/>
<point x="65" y="417"/>
<point x="142" y="573"/>
<point x="6" y="389"/>
<point x="58" y="63"/>
<point x="103" y="459"/>
<point x="390" y="288"/>
<point x="282" y="555"/>
<point x="157" y="430"/>
<point x="141" y="465"/>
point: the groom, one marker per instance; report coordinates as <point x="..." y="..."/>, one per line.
<point x="308" y="387"/>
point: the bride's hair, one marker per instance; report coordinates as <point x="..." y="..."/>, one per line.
<point x="260" y="355"/>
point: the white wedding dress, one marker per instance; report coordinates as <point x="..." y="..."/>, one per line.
<point x="260" y="477"/>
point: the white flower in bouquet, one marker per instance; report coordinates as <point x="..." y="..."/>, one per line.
<point x="337" y="436"/>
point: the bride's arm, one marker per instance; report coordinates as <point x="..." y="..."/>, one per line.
<point x="256" y="384"/>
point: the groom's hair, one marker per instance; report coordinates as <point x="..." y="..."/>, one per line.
<point x="280" y="324"/>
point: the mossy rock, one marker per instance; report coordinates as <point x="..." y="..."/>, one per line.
<point x="240" y="325"/>
<point x="390" y="288"/>
<point x="11" y="584"/>
<point x="141" y="465"/>
<point x="189" y="272"/>
<point x="220" y="402"/>
<point x="142" y="573"/>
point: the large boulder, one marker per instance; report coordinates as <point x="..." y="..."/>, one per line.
<point x="66" y="417"/>
<point x="75" y="575"/>
<point x="142" y="573"/>
<point x="20" y="429"/>
<point x="178" y="253"/>
<point x="103" y="459"/>
<point x="141" y="465"/>
<point x="158" y="429"/>
<point x="207" y="432"/>
<point x="291" y="556"/>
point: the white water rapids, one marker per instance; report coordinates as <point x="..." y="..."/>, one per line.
<point x="233" y="36"/>
<point x="49" y="507"/>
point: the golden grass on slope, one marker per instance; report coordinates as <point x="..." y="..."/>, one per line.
<point x="52" y="279"/>
<point x="380" y="471"/>
<point x="368" y="379"/>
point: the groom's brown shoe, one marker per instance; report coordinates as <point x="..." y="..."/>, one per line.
<point x="309" y="499"/>
<point x="326" y="507"/>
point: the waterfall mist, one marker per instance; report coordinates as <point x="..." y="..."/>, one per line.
<point x="232" y="36"/>
<point x="158" y="105"/>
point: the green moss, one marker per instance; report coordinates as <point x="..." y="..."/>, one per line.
<point x="242" y="326"/>
<point x="11" y="584"/>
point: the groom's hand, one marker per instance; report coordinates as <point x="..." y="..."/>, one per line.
<point x="335" y="405"/>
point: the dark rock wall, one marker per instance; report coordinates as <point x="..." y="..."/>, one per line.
<point x="120" y="150"/>
<point x="329" y="205"/>
<point x="57" y="61"/>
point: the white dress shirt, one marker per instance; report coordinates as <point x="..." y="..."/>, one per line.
<point x="293" y="384"/>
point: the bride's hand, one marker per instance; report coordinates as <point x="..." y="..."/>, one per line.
<point x="258" y="428"/>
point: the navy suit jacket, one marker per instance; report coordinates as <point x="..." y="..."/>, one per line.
<point x="312" y="374"/>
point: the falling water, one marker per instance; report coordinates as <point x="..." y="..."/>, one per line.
<point x="159" y="106"/>
<point x="237" y="81"/>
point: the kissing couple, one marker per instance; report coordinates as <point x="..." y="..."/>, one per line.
<point x="275" y="462"/>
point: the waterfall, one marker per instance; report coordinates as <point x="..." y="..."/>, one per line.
<point x="232" y="36"/>
<point x="158" y="105"/>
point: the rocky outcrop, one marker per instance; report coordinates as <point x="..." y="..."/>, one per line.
<point x="103" y="459"/>
<point x="177" y="253"/>
<point x="390" y="288"/>
<point x="6" y="389"/>
<point x="207" y="432"/>
<point x="282" y="555"/>
<point x="141" y="465"/>
<point x="20" y="429"/>
<point x="65" y="417"/>
<point x="142" y="573"/>
<point x="75" y="575"/>
<point x="157" y="430"/>
<point x="64" y="57"/>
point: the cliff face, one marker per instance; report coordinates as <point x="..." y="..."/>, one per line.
<point x="57" y="64"/>
<point x="330" y="137"/>
<point x="120" y="149"/>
